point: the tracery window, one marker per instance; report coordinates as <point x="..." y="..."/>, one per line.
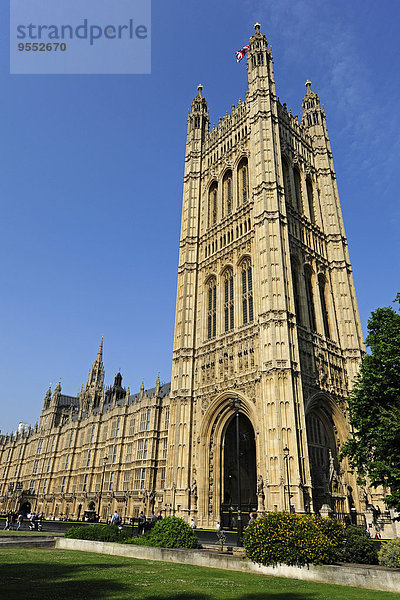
<point x="310" y="198"/>
<point x="310" y="298"/>
<point x="247" y="292"/>
<point x="286" y="180"/>
<point x="212" y="204"/>
<point x="139" y="479"/>
<point x="228" y="301"/>
<point x="142" y="450"/>
<point x="296" y="295"/>
<point x="322" y="296"/>
<point x="227" y="193"/>
<point x="297" y="186"/>
<point x="243" y="181"/>
<point x="212" y="309"/>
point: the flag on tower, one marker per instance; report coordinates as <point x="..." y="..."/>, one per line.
<point x="240" y="53"/>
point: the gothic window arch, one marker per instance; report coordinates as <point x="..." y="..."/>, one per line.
<point x="297" y="189"/>
<point x="229" y="310"/>
<point x="296" y="291"/>
<point x="212" y="204"/>
<point x="227" y="194"/>
<point x="243" y="181"/>
<point x="211" y="308"/>
<point x="310" y="297"/>
<point x="324" y="460"/>
<point x="286" y="180"/>
<point x="322" y="295"/>
<point x="310" y="198"/>
<point x="247" y="291"/>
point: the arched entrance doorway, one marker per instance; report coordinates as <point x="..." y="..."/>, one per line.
<point x="25" y="508"/>
<point x="248" y="472"/>
<point x="327" y="484"/>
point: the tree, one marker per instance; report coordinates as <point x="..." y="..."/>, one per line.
<point x="374" y="406"/>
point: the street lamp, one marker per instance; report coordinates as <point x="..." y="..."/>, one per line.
<point x="105" y="459"/>
<point x="286" y="459"/>
<point x="237" y="405"/>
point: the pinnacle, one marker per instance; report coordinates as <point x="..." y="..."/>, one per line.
<point x="100" y="350"/>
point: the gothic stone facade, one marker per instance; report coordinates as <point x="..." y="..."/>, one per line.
<point x="103" y="450"/>
<point x="266" y="317"/>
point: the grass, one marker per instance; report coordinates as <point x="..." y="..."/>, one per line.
<point x="69" y="575"/>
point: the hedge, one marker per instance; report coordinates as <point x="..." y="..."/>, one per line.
<point x="293" y="539"/>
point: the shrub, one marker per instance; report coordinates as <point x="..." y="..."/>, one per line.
<point x="171" y="532"/>
<point x="293" y="539"/>
<point x="99" y="533"/>
<point x="389" y="554"/>
<point x="358" y="547"/>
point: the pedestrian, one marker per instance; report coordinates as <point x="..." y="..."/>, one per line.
<point x="192" y="524"/>
<point x="141" y="523"/>
<point x="20" y="520"/>
<point x="11" y="521"/>
<point x="159" y="515"/>
<point x="115" y="519"/>
<point x="251" y="519"/>
<point x="218" y="526"/>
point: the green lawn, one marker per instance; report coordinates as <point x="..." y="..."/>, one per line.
<point x="62" y="574"/>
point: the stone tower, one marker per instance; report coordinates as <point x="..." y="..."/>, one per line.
<point x="267" y="332"/>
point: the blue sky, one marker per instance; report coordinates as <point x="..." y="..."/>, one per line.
<point x="92" y="170"/>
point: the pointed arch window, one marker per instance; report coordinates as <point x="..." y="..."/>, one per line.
<point x="247" y="293"/>
<point x="297" y="187"/>
<point x="310" y="198"/>
<point x="286" y="180"/>
<point x="212" y="204"/>
<point x="228" y="301"/>
<point x="322" y="296"/>
<point x="211" y="309"/>
<point x="296" y="295"/>
<point x="243" y="181"/>
<point x="227" y="194"/>
<point x="310" y="298"/>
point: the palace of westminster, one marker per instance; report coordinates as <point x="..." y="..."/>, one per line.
<point x="267" y="338"/>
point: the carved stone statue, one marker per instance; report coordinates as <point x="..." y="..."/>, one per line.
<point x="260" y="486"/>
<point x="193" y="490"/>
<point x="260" y="493"/>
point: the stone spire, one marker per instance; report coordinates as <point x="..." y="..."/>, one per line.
<point x="96" y="373"/>
<point x="313" y="113"/>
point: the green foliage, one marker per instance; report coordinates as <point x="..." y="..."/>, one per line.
<point x="389" y="554"/>
<point x="358" y="547"/>
<point x="141" y="540"/>
<point x="99" y="533"/>
<point x="374" y="406"/>
<point x="172" y="532"/>
<point x="293" y="539"/>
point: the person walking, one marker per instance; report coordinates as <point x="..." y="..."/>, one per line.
<point x="115" y="519"/>
<point x="141" y="523"/>
<point x="20" y="520"/>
